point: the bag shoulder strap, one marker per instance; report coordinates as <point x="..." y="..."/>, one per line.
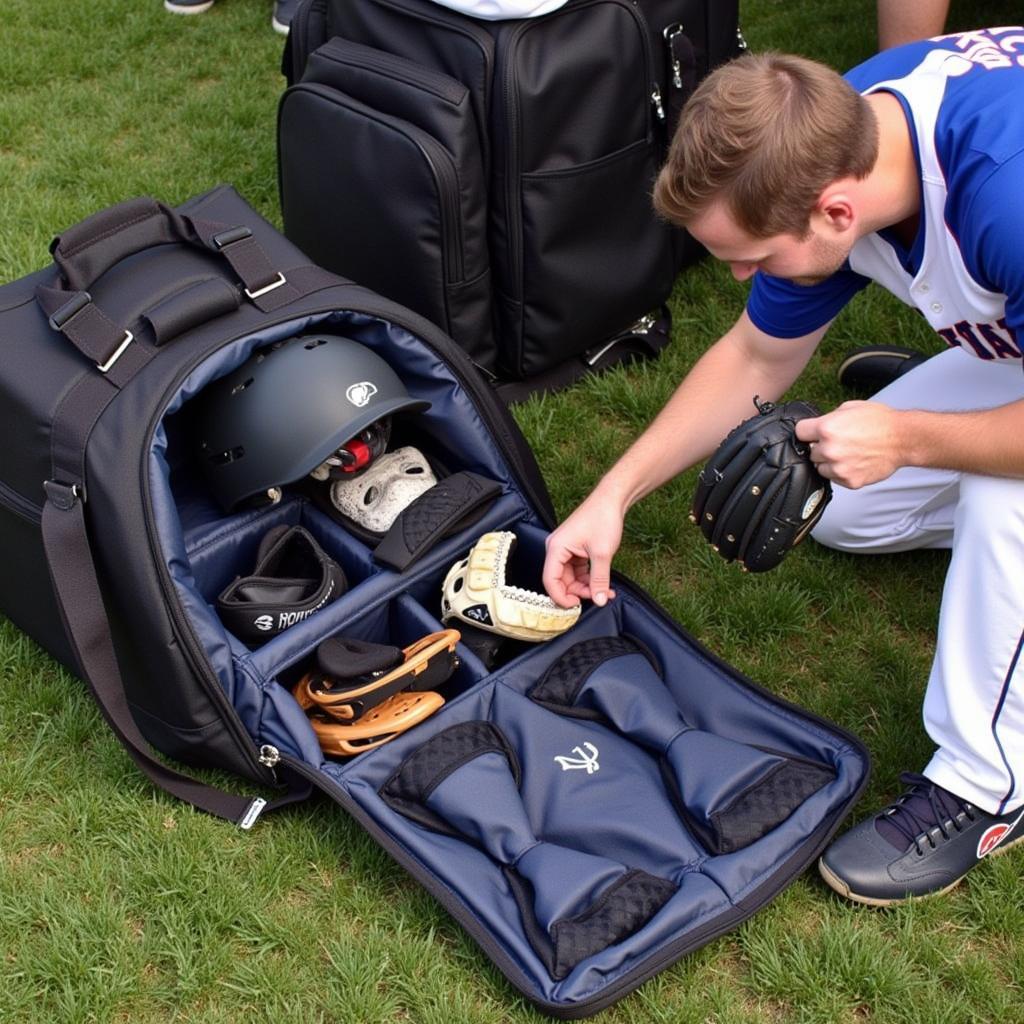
<point x="80" y="601"/>
<point x="101" y="241"/>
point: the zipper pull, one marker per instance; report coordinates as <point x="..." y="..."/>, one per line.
<point x="643" y="325"/>
<point x="669" y="34"/>
<point x="269" y="756"/>
<point x="659" y="108"/>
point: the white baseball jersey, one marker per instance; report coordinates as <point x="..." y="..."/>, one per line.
<point x="963" y="97"/>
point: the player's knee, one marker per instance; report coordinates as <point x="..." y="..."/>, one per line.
<point x="992" y="506"/>
<point x="842" y="523"/>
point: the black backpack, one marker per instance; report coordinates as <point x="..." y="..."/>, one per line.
<point x="495" y="176"/>
<point x="114" y="552"/>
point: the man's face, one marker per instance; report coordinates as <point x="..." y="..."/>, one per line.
<point x="804" y="261"/>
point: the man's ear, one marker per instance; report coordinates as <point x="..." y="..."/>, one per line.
<point x="835" y="209"/>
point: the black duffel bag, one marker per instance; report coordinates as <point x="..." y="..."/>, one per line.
<point x="589" y="808"/>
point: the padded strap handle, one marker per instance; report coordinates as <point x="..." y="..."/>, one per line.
<point x="90" y="248"/>
<point x="86" y="251"/>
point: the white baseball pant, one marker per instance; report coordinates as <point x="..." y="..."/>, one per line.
<point x="974" y="702"/>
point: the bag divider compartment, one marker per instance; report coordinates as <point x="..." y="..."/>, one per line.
<point x="230" y="553"/>
<point x="205" y="549"/>
<point x="618" y="808"/>
<point x="523" y="569"/>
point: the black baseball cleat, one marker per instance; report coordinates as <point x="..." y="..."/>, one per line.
<point x="921" y="845"/>
<point x="871" y="367"/>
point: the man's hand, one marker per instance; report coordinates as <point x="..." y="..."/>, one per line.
<point x="579" y="553"/>
<point x="856" y="444"/>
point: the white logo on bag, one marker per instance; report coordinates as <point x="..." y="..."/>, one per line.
<point x="584" y="759"/>
<point x="359" y="394"/>
<point x="286" y="619"/>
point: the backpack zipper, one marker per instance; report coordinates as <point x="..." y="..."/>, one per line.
<point x="341" y="51"/>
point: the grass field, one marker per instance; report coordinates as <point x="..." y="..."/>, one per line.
<point x="119" y="905"/>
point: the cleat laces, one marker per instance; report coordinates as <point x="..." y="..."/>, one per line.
<point x="924" y="808"/>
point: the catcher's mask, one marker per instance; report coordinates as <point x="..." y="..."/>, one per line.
<point x="293" y="408"/>
<point x="375" y="498"/>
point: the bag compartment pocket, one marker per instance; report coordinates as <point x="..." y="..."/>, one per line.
<point x="381" y="180"/>
<point x="569" y="255"/>
<point x="594" y="792"/>
<point x="399" y="623"/>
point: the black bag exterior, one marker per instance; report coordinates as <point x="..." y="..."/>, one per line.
<point x="555" y="129"/>
<point x="164" y="294"/>
<point x="630" y="757"/>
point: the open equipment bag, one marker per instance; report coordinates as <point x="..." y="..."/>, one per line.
<point x="590" y="808"/>
<point x="511" y="161"/>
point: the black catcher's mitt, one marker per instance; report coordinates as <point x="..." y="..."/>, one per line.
<point x="760" y="494"/>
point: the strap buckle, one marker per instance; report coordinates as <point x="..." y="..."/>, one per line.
<point x="125" y="342"/>
<point x="280" y="280"/>
<point x="63" y="496"/>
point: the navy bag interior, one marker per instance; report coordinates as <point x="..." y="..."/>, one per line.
<point x="583" y="841"/>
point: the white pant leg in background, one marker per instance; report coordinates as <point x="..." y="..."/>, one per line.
<point x="974" y="704"/>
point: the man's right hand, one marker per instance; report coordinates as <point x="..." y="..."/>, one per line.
<point x="579" y="553"/>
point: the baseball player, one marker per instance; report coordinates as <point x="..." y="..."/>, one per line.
<point x="908" y="172"/>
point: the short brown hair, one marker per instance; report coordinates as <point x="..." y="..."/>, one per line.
<point x="768" y="132"/>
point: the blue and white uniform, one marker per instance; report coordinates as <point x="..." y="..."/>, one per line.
<point x="963" y="97"/>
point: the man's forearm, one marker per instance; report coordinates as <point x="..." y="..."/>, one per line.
<point x="988" y="442"/>
<point x="714" y="397"/>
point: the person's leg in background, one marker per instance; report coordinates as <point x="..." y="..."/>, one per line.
<point x="904" y="21"/>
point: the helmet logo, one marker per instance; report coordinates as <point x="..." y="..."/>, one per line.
<point x="361" y="393"/>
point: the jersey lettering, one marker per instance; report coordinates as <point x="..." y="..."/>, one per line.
<point x="991" y="48"/>
<point x="992" y="343"/>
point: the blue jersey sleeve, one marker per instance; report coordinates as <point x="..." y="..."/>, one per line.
<point x="783" y="309"/>
<point x="993" y="228"/>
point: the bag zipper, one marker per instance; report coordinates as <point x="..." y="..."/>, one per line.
<point x="17" y="503"/>
<point x="441" y="166"/>
<point x="401" y="70"/>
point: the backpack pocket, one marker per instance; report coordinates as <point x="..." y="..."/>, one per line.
<point x="579" y="254"/>
<point x="381" y="180"/>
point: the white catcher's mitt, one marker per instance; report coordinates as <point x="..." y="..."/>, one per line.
<point x="475" y="591"/>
